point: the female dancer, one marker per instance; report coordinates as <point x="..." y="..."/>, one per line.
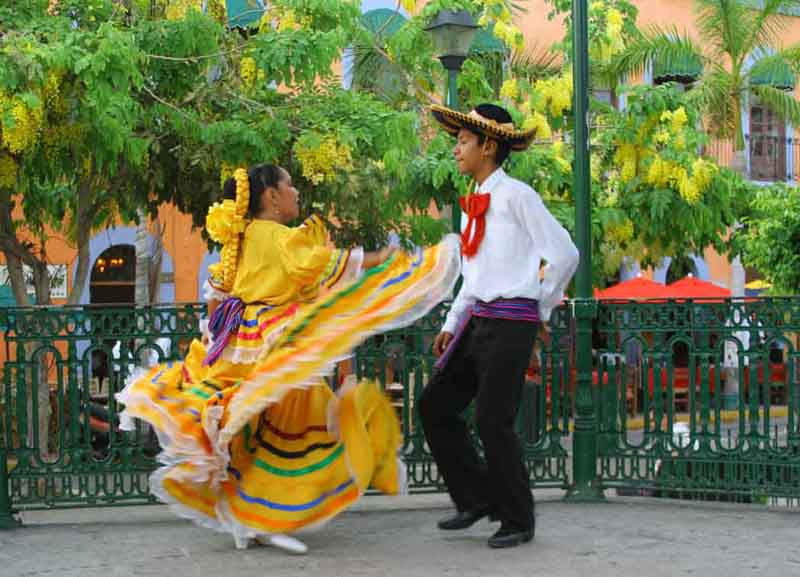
<point x="254" y="440"/>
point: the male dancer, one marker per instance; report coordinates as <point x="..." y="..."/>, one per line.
<point x="486" y="341"/>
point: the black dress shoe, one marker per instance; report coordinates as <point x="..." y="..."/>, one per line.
<point x="510" y="537"/>
<point x="463" y="519"/>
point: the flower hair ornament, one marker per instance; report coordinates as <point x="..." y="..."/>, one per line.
<point x="225" y="223"/>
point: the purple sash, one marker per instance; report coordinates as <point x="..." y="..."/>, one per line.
<point x="516" y="309"/>
<point x="222" y="325"/>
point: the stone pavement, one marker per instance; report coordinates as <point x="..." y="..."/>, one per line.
<point x="397" y="538"/>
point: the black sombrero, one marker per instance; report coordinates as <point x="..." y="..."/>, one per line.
<point x="453" y="121"/>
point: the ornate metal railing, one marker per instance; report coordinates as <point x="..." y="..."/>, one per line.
<point x="54" y="440"/>
<point x="717" y="385"/>
<point x="695" y="399"/>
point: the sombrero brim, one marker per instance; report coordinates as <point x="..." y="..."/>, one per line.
<point x="453" y="121"/>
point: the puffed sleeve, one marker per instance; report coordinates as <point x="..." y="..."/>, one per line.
<point x="310" y="260"/>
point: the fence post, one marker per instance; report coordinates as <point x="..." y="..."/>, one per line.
<point x="7" y="519"/>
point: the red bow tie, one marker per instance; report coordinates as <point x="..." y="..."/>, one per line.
<point x="475" y="205"/>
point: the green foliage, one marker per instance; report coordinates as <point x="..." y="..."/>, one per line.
<point x="150" y="109"/>
<point x="769" y="238"/>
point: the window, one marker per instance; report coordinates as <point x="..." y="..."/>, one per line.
<point x="767" y="145"/>
<point x="768" y="138"/>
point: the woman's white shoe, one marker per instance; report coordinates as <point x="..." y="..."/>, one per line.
<point x="284" y="542"/>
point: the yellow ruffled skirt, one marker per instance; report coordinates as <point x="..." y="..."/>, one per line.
<point x="258" y="443"/>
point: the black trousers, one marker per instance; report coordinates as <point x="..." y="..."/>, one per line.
<point x="488" y="365"/>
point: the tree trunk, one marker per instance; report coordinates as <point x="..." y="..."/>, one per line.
<point x="41" y="282"/>
<point x="17" y="254"/>
<point x="156" y="258"/>
<point x="16" y="277"/>
<point x="142" y="261"/>
<point x="142" y="290"/>
<point x="14" y="253"/>
<point x="45" y="361"/>
<point x="83" y="228"/>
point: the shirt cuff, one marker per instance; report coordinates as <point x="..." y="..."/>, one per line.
<point x="451" y="324"/>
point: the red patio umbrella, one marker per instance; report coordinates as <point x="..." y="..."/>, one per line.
<point x="634" y="289"/>
<point x="694" y="288"/>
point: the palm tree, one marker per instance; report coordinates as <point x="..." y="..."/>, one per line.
<point x="739" y="40"/>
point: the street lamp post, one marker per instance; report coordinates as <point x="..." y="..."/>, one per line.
<point x="452" y="34"/>
<point x="584" y="446"/>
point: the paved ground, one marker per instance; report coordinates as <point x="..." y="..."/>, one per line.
<point x="382" y="537"/>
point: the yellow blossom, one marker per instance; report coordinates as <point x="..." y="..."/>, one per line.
<point x="555" y="93"/>
<point x="614" y="19"/>
<point x="620" y="232"/>
<point x="23" y="132"/>
<point x="247" y="71"/>
<point x="288" y="21"/>
<point x="687" y="187"/>
<point x="225" y="172"/>
<point x="321" y="157"/>
<point x="658" y="173"/>
<point x="662" y="137"/>
<point x="703" y="173"/>
<point x="628" y="171"/>
<point x="8" y="171"/>
<point x="679" y="119"/>
<point x="177" y="9"/>
<point x="508" y="33"/>
<point x="409" y="6"/>
<point x="509" y="89"/>
<point x="538" y="122"/>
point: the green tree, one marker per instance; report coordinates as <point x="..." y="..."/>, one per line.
<point x="68" y="113"/>
<point x="769" y="237"/>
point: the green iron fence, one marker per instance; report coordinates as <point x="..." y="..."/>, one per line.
<point x="717" y="386"/>
<point x="693" y="399"/>
<point x="67" y="361"/>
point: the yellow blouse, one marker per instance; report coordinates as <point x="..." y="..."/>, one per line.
<point x="280" y="264"/>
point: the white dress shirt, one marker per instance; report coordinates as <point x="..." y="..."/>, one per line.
<point x="520" y="233"/>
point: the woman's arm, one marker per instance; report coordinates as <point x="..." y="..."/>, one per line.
<point x="377" y="258"/>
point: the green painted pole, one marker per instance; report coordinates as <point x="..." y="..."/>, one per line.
<point x="584" y="441"/>
<point x="452" y="102"/>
